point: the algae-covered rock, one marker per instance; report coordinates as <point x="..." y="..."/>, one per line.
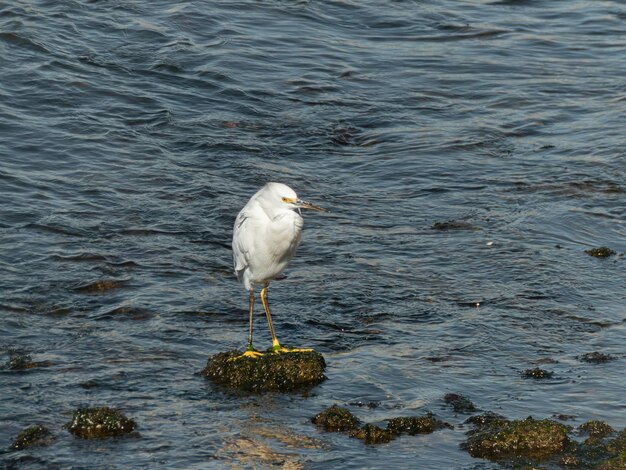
<point x="21" y="361"/>
<point x="596" y="357"/>
<point x="601" y="252"/>
<point x="527" y="438"/>
<point x="486" y="419"/>
<point x="336" y="419"/>
<point x="36" y="435"/>
<point x="372" y="434"/>
<point x="413" y="425"/>
<point x="537" y="373"/>
<point x="460" y="403"/>
<point x="597" y="429"/>
<point x="100" y="422"/>
<point x="280" y="372"/>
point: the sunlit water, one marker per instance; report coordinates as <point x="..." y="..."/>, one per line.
<point x="133" y="132"/>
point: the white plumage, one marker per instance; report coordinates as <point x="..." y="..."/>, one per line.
<point x="266" y="235"/>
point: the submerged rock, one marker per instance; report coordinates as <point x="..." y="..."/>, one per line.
<point x="460" y="403"/>
<point x="23" y="361"/>
<point x="601" y="252"/>
<point x="413" y="425"/>
<point x="528" y="438"/>
<point x="372" y="434"/>
<point x="537" y="373"/>
<point x="596" y="357"/>
<point x="336" y="419"/>
<point x="453" y="225"/>
<point x="100" y="422"/>
<point x="97" y="287"/>
<point x="278" y="372"/>
<point x="36" y="435"/>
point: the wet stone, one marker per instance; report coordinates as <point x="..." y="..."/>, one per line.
<point x="99" y="423"/>
<point x="460" y="403"/>
<point x="601" y="252"/>
<point x="272" y="372"/>
<point x="36" y="435"/>
<point x="597" y="429"/>
<point x="336" y="419"/>
<point x="372" y="434"/>
<point x="486" y="419"/>
<point x="596" y="357"/>
<point x="537" y="373"/>
<point x="413" y="425"/>
<point x="519" y="439"/>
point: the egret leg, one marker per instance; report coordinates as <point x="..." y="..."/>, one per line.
<point x="250" y="351"/>
<point x="275" y="344"/>
<point x="276" y="347"/>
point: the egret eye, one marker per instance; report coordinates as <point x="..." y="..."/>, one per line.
<point x="289" y="200"/>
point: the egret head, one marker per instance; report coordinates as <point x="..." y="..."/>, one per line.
<point x="283" y="196"/>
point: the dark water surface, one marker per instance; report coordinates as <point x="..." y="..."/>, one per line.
<point x="132" y="132"/>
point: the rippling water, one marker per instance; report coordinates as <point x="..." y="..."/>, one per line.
<point x="132" y="132"/>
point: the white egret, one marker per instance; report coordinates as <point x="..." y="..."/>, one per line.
<point x="265" y="237"/>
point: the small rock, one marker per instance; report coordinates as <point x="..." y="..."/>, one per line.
<point x="596" y="429"/>
<point x="537" y="373"/>
<point x="413" y="425"/>
<point x="596" y="357"/>
<point x="601" y="252"/>
<point x="100" y="422"/>
<point x="336" y="419"/>
<point x="278" y="372"/>
<point x="36" y="435"/>
<point x="453" y="225"/>
<point x="372" y="434"/>
<point x="460" y="403"/>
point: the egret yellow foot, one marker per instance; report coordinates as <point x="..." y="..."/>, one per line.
<point x="249" y="353"/>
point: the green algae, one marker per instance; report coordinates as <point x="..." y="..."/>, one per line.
<point x="336" y="419"/>
<point x="601" y="252"/>
<point x="528" y="439"/>
<point x="537" y="373"/>
<point x="413" y="425"/>
<point x="32" y="436"/>
<point x="372" y="434"/>
<point x="272" y="372"/>
<point x="99" y="423"/>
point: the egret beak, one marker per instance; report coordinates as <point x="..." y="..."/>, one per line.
<point x="307" y="205"/>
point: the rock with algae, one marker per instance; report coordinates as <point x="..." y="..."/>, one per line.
<point x="413" y="425"/>
<point x="601" y="252"/>
<point x="336" y="419"/>
<point x="537" y="373"/>
<point x="36" y="435"/>
<point x="596" y="428"/>
<point x="501" y="439"/>
<point x="99" y="423"/>
<point x="272" y="372"/>
<point x="372" y="434"/>
<point x="596" y="357"/>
